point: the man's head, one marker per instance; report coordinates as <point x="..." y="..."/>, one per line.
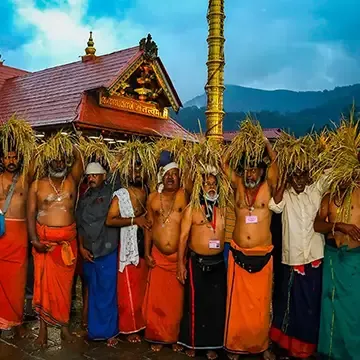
<point x="210" y="187"/>
<point x="299" y="179"/>
<point x="58" y="168"/>
<point x="171" y="179"/>
<point x="96" y="174"/>
<point x="136" y="173"/>
<point x="11" y="162"/>
<point x="253" y="176"/>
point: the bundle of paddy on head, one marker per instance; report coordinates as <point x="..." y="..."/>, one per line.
<point x="135" y="156"/>
<point x="17" y="136"/>
<point x="59" y="147"/>
<point x="247" y="149"/>
<point x="203" y="160"/>
<point x="297" y="156"/>
<point x="341" y="156"/>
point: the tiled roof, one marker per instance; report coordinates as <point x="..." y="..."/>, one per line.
<point x="51" y="96"/>
<point x="94" y="116"/>
<point x="8" y="72"/>
<point x="270" y="133"/>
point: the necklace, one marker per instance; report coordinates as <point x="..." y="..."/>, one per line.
<point x="57" y="192"/>
<point x="165" y="219"/>
<point x="250" y="204"/>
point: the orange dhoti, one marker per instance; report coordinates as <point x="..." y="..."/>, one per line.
<point x="163" y="300"/>
<point x="249" y="295"/>
<point x="54" y="273"/>
<point x="131" y="291"/>
<point x="13" y="267"/>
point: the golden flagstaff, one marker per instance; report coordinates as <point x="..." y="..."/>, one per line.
<point x="215" y="66"/>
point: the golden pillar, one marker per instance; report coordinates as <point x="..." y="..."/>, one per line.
<point x="215" y="84"/>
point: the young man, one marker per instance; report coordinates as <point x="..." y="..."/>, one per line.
<point x="98" y="245"/>
<point x="164" y="293"/>
<point x="52" y="232"/>
<point x="127" y="212"/>
<point x="296" y="317"/>
<point x="249" y="288"/>
<point x="201" y="268"/>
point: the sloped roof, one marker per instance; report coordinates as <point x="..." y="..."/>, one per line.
<point x="270" y="133"/>
<point x="8" y="72"/>
<point x="93" y="116"/>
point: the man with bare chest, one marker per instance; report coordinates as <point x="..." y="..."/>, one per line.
<point x="201" y="268"/>
<point x="127" y="212"/>
<point x="250" y="261"/>
<point x="340" y="319"/>
<point x="164" y="294"/>
<point x="52" y="232"/>
<point x="14" y="242"/>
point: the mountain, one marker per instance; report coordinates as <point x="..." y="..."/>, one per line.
<point x="297" y="112"/>
<point x="242" y="99"/>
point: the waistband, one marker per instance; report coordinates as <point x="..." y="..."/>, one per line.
<point x="215" y="257"/>
<point x="56" y="234"/>
<point x="14" y="220"/>
<point x="255" y="251"/>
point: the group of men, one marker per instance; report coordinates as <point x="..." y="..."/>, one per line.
<point x="154" y="264"/>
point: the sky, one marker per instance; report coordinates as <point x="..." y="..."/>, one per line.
<point x="270" y="44"/>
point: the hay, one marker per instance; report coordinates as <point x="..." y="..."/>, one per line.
<point x="96" y="150"/>
<point x="199" y="155"/>
<point x="58" y="147"/>
<point x="247" y="148"/>
<point x="17" y="134"/>
<point x="127" y="154"/>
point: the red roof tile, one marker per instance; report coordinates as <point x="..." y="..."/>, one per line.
<point x="270" y="133"/>
<point x="8" y="72"/>
<point x="51" y="96"/>
<point x="94" y="116"/>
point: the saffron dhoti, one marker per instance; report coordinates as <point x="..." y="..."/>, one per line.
<point x="296" y="317"/>
<point x="54" y="273"/>
<point x="131" y="291"/>
<point x="13" y="267"/>
<point x="248" y="303"/>
<point x="100" y="277"/>
<point x="163" y="300"/>
<point x="203" y="321"/>
<point x="340" y="320"/>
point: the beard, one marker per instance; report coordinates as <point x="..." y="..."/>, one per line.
<point x="250" y="184"/>
<point x="57" y="174"/>
<point x="211" y="196"/>
<point x="11" y="168"/>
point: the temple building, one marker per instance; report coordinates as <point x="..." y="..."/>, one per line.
<point x="117" y="95"/>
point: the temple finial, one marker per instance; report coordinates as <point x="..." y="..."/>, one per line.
<point x="90" y="50"/>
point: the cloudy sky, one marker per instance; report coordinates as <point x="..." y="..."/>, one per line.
<point x="270" y="44"/>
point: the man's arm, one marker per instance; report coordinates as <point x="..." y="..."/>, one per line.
<point x="147" y="236"/>
<point x="85" y="253"/>
<point x="31" y="172"/>
<point x="114" y="218"/>
<point x="31" y="213"/>
<point x="273" y="172"/>
<point x="277" y="202"/>
<point x="186" y="222"/>
<point x="227" y="169"/>
<point x="77" y="169"/>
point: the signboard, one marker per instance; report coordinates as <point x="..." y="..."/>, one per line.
<point x="131" y="105"/>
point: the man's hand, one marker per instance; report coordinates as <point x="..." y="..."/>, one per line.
<point x="86" y="254"/>
<point x="349" y="229"/>
<point x="150" y="261"/>
<point x="181" y="272"/>
<point x="142" y="222"/>
<point x="40" y="247"/>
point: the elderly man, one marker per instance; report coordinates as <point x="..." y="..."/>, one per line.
<point x="250" y="261"/>
<point x="201" y="267"/>
<point x="98" y="245"/>
<point x="296" y="317"/>
<point x="13" y="243"/>
<point x="52" y="232"/>
<point x="127" y="212"/>
<point x="164" y="294"/>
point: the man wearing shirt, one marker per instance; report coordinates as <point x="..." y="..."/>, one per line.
<point x="98" y="245"/>
<point x="296" y="318"/>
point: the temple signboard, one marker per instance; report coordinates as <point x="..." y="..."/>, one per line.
<point x="135" y="106"/>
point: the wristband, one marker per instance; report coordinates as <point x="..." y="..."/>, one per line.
<point x="132" y="221"/>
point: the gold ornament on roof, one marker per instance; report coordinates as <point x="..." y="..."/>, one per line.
<point x="149" y="47"/>
<point x="90" y="50"/>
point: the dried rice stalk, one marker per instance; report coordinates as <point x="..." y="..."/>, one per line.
<point x="127" y="154"/>
<point x="57" y="147"/>
<point x="248" y="146"/>
<point x="96" y="150"/>
<point x="17" y="135"/>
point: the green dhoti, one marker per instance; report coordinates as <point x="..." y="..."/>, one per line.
<point x="340" y="316"/>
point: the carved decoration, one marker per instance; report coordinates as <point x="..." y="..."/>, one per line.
<point x="149" y="47"/>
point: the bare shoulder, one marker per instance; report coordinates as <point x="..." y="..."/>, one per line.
<point x="152" y="197"/>
<point x="182" y="195"/>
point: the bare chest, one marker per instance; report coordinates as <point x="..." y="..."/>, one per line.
<point x="50" y="194"/>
